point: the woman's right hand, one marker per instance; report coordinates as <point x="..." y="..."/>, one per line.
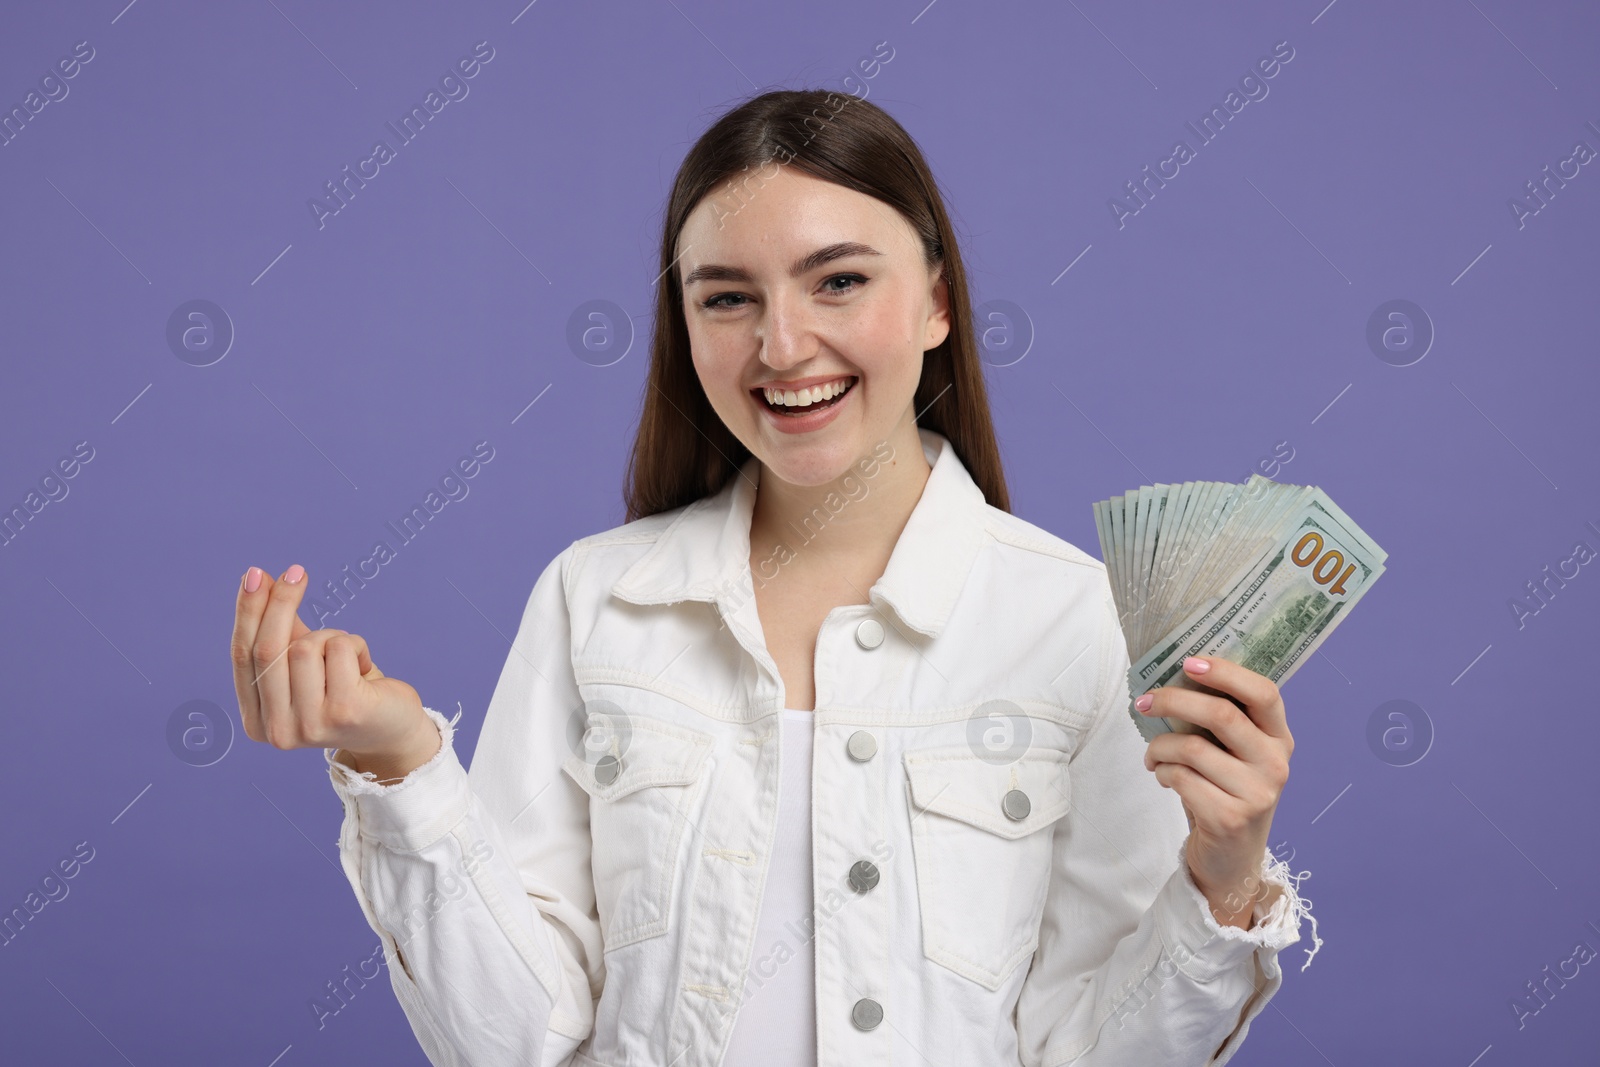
<point x="300" y="687"/>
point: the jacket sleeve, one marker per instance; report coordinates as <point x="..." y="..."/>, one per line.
<point x="478" y="883"/>
<point x="1132" y="968"/>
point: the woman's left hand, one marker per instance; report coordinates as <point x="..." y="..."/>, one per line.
<point x="1229" y="794"/>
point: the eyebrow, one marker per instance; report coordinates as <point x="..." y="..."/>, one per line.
<point x="719" y="273"/>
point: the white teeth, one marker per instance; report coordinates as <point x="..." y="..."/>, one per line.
<point x="802" y="398"/>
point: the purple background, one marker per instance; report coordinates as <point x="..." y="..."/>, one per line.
<point x="1228" y="315"/>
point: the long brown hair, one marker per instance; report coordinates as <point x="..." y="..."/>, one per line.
<point x="683" y="451"/>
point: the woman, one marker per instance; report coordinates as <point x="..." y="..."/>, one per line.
<point x="824" y="757"/>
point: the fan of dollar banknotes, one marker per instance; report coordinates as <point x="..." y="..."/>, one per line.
<point x="1258" y="573"/>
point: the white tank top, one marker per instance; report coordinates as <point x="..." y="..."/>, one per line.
<point x="777" y="1023"/>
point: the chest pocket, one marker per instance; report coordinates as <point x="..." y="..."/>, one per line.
<point x="980" y="838"/>
<point x="645" y="788"/>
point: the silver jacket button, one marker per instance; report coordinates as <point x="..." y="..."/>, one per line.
<point x="1015" y="804"/>
<point x="866" y="1014"/>
<point x="869" y="634"/>
<point x="862" y="746"/>
<point x="606" y="769"/>
<point x="863" y="875"/>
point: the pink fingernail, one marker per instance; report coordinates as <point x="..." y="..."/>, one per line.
<point x="252" y="579"/>
<point x="294" y="574"/>
<point x="1144" y="702"/>
<point x="1196" y="665"/>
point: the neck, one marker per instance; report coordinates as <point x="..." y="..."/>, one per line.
<point x="849" y="525"/>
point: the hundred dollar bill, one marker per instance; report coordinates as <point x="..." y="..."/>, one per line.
<point x="1259" y="574"/>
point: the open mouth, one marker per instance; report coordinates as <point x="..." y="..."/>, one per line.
<point x="794" y="403"/>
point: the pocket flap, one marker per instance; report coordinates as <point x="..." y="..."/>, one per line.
<point x="955" y="781"/>
<point x="646" y="752"/>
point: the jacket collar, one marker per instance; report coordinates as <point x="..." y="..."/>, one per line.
<point x="704" y="554"/>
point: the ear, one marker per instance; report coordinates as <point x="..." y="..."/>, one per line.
<point x="938" y="326"/>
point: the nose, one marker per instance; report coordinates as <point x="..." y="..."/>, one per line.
<point x="785" y="333"/>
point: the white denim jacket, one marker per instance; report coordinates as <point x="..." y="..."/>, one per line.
<point x="587" y="894"/>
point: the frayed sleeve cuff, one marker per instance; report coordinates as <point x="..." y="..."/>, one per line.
<point x="1204" y="948"/>
<point x="415" y="811"/>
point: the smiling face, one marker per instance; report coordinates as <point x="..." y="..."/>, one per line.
<point x="809" y="307"/>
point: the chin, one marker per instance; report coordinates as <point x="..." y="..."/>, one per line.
<point x="810" y="464"/>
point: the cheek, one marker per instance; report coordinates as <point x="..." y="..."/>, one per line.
<point x="906" y="320"/>
<point x="717" y="365"/>
<point x="885" y="345"/>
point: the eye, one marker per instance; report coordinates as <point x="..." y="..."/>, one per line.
<point x="720" y="300"/>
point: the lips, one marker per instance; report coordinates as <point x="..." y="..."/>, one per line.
<point x="805" y="405"/>
<point x="792" y="399"/>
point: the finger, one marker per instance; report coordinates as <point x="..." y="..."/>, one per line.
<point x="308" y="685"/>
<point x="362" y="654"/>
<point x="246" y="621"/>
<point x="1259" y="694"/>
<point x="364" y="664"/>
<point x="1223" y="769"/>
<point x="1210" y="807"/>
<point x="272" y="641"/>
<point x="251" y="606"/>
<point x="1211" y="711"/>
<point x="262" y="594"/>
<point x="345" y="660"/>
